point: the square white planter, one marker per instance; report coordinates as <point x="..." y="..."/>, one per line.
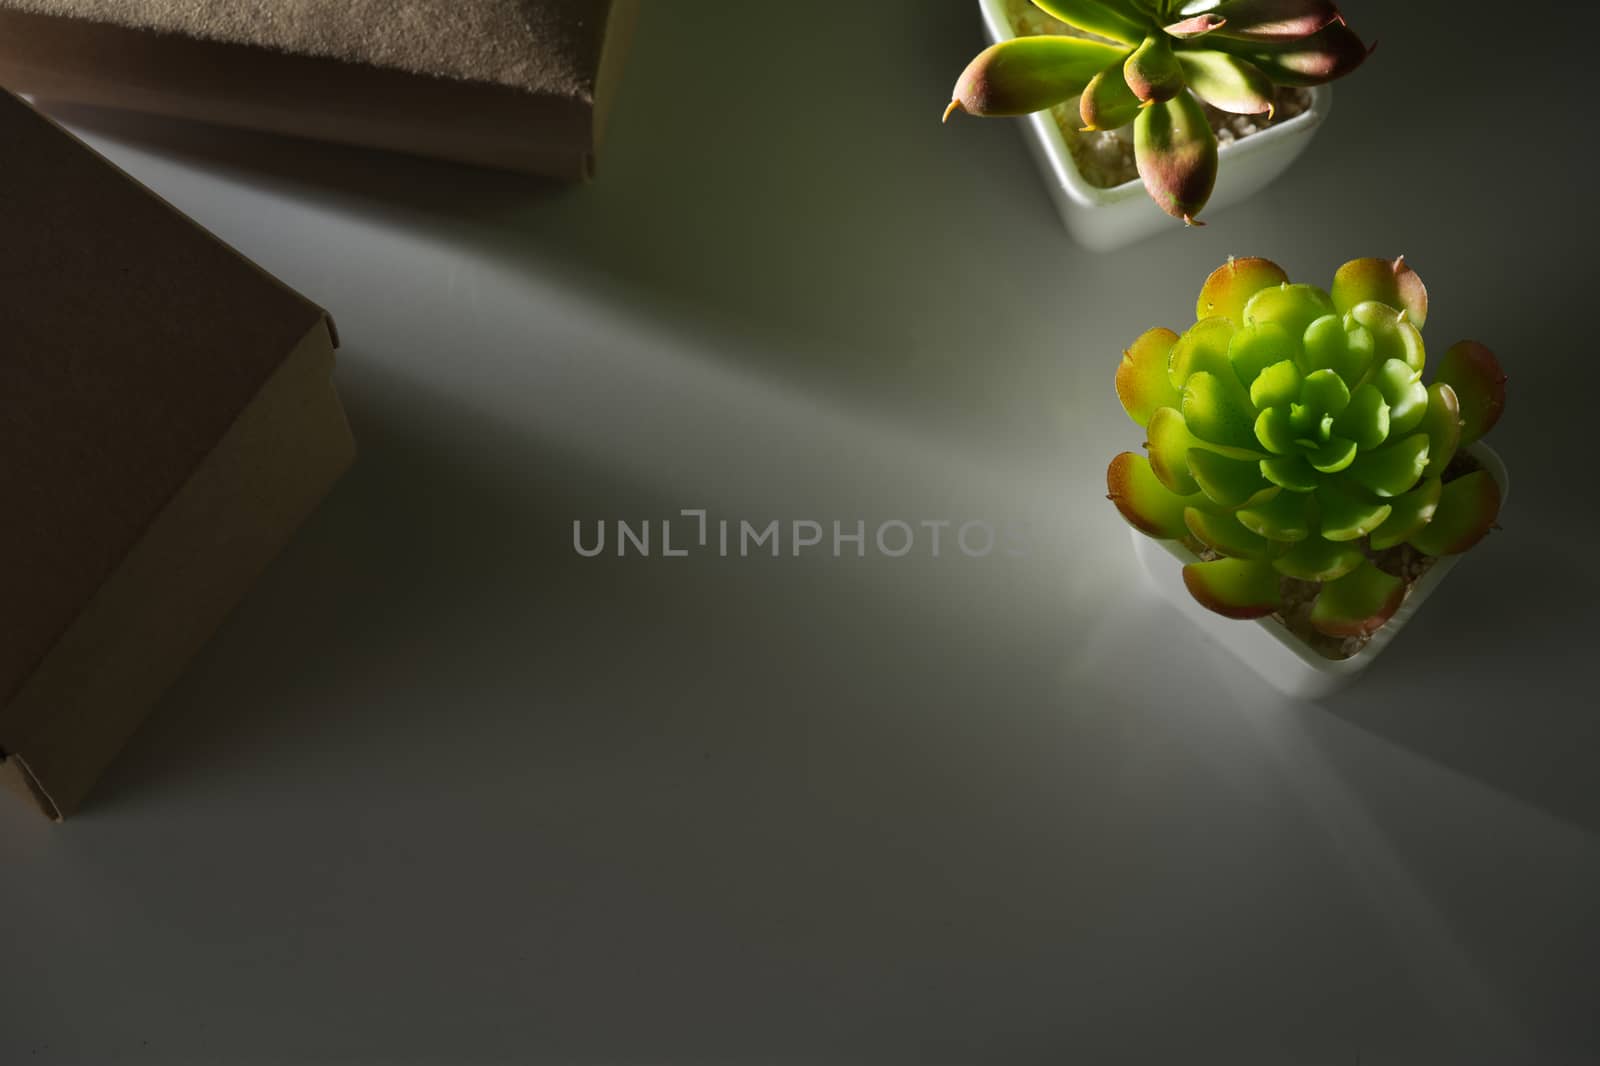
<point x="1267" y="646"/>
<point x="1104" y="219"/>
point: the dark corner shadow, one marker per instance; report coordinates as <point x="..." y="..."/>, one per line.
<point x="417" y="547"/>
<point x="1502" y="629"/>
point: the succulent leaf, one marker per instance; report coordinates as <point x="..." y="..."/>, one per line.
<point x="1468" y="508"/>
<point x="1325" y="392"/>
<point x="1255" y="348"/>
<point x="1277" y="385"/>
<point x="1216" y="409"/>
<point x="1169" y="444"/>
<point x="1480" y="385"/>
<point x="1142" y="382"/>
<point x="1204" y="346"/>
<point x="1152" y="71"/>
<point x="1195" y="26"/>
<point x="1388" y="281"/>
<point x="1176" y="153"/>
<point x="1336" y="455"/>
<point x="1294" y="307"/>
<point x="1282" y="519"/>
<point x="1317" y="559"/>
<point x="1237" y="588"/>
<point x="1411" y="512"/>
<point x="1442" y="424"/>
<point x="1406" y="395"/>
<point x="1345" y="347"/>
<point x="1224" y="534"/>
<point x="1107" y="103"/>
<point x="1393" y="337"/>
<point x="1229" y="483"/>
<point x="1107" y="20"/>
<point x="1275" y="431"/>
<point x="1293" y="472"/>
<point x="1227" y="82"/>
<point x="1393" y="470"/>
<point x="1230" y="286"/>
<point x="1357" y="604"/>
<point x="1366" y="420"/>
<point x="1149" y="506"/>
<point x="1028" y="74"/>
<point x="1347" y="516"/>
<point x="1275" y="20"/>
<point x="1325" y="56"/>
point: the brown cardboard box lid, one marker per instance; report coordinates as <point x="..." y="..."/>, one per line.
<point x="444" y="77"/>
<point x="132" y="341"/>
<point x="541" y="46"/>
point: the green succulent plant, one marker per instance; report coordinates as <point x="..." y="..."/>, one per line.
<point x="1290" y="431"/>
<point x="1149" y="61"/>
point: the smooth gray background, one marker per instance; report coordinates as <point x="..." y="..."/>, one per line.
<point x="443" y="792"/>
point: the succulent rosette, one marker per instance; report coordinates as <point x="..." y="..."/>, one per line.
<point x="1151" y="63"/>
<point x="1291" y="433"/>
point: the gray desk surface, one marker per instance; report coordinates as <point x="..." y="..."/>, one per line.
<point x="444" y="792"/>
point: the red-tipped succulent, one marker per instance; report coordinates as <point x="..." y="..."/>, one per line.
<point x="1152" y="63"/>
<point x="1291" y="435"/>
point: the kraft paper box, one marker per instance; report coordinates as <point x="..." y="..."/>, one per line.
<point x="167" y="418"/>
<point x="520" y="85"/>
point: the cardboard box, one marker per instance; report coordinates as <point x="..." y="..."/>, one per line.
<point x="167" y="418"/>
<point x="521" y="85"/>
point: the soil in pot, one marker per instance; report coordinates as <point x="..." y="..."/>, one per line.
<point x="1105" y="157"/>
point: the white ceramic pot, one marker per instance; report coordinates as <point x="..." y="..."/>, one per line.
<point x="1267" y="646"/>
<point x="1103" y="219"/>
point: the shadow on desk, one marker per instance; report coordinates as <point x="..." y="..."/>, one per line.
<point x="1483" y="681"/>
<point x="425" y="569"/>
